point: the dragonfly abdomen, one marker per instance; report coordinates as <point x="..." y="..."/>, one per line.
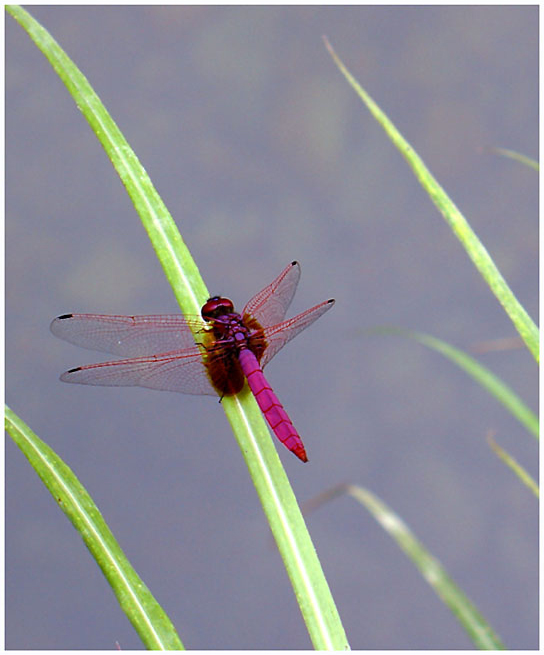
<point x="270" y="405"/>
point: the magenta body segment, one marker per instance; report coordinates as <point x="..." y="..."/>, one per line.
<point x="270" y="405"/>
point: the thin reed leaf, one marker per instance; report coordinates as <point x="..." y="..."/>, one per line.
<point x="494" y="385"/>
<point x="477" y="628"/>
<point x="457" y="222"/>
<point x="146" y="615"/>
<point x="175" y="258"/>
<point x="517" y="156"/>
<point x="514" y="466"/>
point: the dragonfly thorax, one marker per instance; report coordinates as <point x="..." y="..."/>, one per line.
<point x="226" y="325"/>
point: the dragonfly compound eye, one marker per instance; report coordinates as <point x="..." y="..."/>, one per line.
<point x="215" y="307"/>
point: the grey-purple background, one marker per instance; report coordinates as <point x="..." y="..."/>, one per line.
<point x="264" y="154"/>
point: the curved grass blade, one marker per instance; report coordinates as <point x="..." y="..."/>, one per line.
<point x="496" y="387"/>
<point x="522" y="159"/>
<point x="254" y="439"/>
<point x="457" y="222"/>
<point x="175" y="258"/>
<point x="479" y="631"/>
<point x="514" y="466"/>
<point x="146" y="615"/>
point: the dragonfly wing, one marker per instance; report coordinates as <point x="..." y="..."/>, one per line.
<point x="128" y="336"/>
<point x="176" y="371"/>
<point x="278" y="335"/>
<point x="270" y="305"/>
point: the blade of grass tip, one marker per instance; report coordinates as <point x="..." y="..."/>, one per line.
<point x="325" y="497"/>
<point x="517" y="156"/>
<point x="278" y="500"/>
<point x="478" y="629"/>
<point x="146" y="615"/>
<point x="480" y="632"/>
<point x="494" y="385"/>
<point x="457" y="222"/>
<point x="513" y="465"/>
<point x="175" y="258"/>
<point x="495" y="345"/>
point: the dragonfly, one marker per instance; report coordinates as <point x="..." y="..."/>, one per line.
<point x="214" y="354"/>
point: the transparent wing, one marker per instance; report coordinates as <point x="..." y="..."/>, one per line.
<point x="278" y="335"/>
<point x="177" y="371"/>
<point x="270" y="305"/>
<point x="162" y="350"/>
<point x="128" y="336"/>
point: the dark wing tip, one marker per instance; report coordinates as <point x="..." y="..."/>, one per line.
<point x="295" y="263"/>
<point x="63" y="316"/>
<point x="331" y="301"/>
<point x="67" y="375"/>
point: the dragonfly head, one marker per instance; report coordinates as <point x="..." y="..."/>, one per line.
<point x="216" y="307"/>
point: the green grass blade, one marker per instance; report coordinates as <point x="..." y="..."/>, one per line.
<point x="514" y="466"/>
<point x="290" y="532"/>
<point x="496" y="387"/>
<point x="178" y="265"/>
<point x="522" y="159"/>
<point x="279" y="503"/>
<point x="146" y="615"/>
<point x="479" y="631"/>
<point x="457" y="222"/>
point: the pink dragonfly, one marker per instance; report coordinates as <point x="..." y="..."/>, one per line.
<point x="229" y="349"/>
